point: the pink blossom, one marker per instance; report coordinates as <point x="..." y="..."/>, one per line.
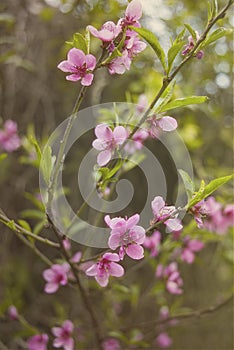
<point x="132" y="14"/>
<point x="191" y="246"/>
<point x="13" y="313"/>
<point x="213" y="216"/>
<point x="162" y="212"/>
<point x="108" y="32"/>
<point x="172" y="277"/>
<point x="66" y="244"/>
<point x="137" y="141"/>
<point x="157" y="125"/>
<point x="133" y="44"/>
<point x="107" y="141"/>
<point x="76" y="257"/>
<point x="152" y="243"/>
<point x="79" y="65"/>
<point x="119" y="65"/>
<point x="55" y="276"/>
<point x="142" y="103"/>
<point x="111" y="344"/>
<point x="105" y="267"/>
<point x="38" y="342"/>
<point x="63" y="336"/>
<point x="163" y="340"/>
<point x="126" y="234"/>
<point x="9" y="139"/>
<point x="189" y="47"/>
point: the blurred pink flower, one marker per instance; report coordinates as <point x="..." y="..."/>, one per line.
<point x="111" y="344"/>
<point x="9" y="139"/>
<point x="107" y="141"/>
<point x="152" y="243"/>
<point x="120" y="64"/>
<point x="126" y="234"/>
<point x="13" y="313"/>
<point x="162" y="212"/>
<point x="105" y="267"/>
<point x="142" y="103"/>
<point x="79" y="65"/>
<point x="132" y="14"/>
<point x="163" y="340"/>
<point x="63" y="336"/>
<point x="38" y="342"/>
<point x="189" y="47"/>
<point x="137" y="141"/>
<point x="157" y="125"/>
<point x="108" y="32"/>
<point x="191" y="246"/>
<point x="172" y="276"/>
<point x="66" y="244"/>
<point x="55" y="276"/>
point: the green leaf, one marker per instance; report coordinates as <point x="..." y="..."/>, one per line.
<point x="153" y="42"/>
<point x="134" y="161"/>
<point x="47" y="162"/>
<point x="38" y="227"/>
<point x="2" y="157"/>
<point x="188" y="183"/>
<point x="191" y="31"/>
<point x="185" y="101"/>
<point x="166" y="96"/>
<point x="205" y="191"/>
<point x="36" y="146"/>
<point x="79" y="42"/>
<point x="217" y="34"/>
<point x="32" y="214"/>
<point x="172" y="54"/>
<point x="25" y="225"/>
<point x="212" y="9"/>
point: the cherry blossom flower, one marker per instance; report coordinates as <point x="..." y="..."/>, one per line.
<point x="66" y="244"/>
<point x="133" y="44"/>
<point x="111" y="344"/>
<point x="13" y="313"/>
<point x="152" y="243"/>
<point x="79" y="65"/>
<point x="119" y="65"/>
<point x="63" y="336"/>
<point x="108" y="32"/>
<point x="172" y="277"/>
<point x="189" y="47"/>
<point x="162" y="212"/>
<point x="105" y="267"/>
<point x="9" y="139"/>
<point x="163" y="340"/>
<point x="213" y="216"/>
<point x="142" y="103"/>
<point x="191" y="246"/>
<point x="107" y="141"/>
<point x="55" y="276"/>
<point x="38" y="342"/>
<point x="157" y="125"/>
<point x="132" y="14"/>
<point x="126" y="234"/>
<point x="136" y="143"/>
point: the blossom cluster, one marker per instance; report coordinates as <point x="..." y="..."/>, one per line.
<point x="213" y="216"/>
<point x="171" y="275"/>
<point x="81" y="66"/>
<point x="9" y="139"/>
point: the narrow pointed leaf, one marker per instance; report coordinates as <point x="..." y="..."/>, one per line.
<point x="182" y="102"/>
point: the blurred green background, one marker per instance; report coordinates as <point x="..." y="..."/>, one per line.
<point x="34" y="92"/>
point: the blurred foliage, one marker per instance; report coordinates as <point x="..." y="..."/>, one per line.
<point x="34" y="92"/>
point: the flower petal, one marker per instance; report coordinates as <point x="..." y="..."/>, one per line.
<point x="104" y="157"/>
<point x="73" y="77"/>
<point x="134" y="10"/>
<point x="111" y="256"/>
<point x="157" y="204"/>
<point x="116" y="270"/>
<point x="90" y="62"/>
<point x="135" y="251"/>
<point x="51" y="288"/>
<point x="103" y="132"/>
<point x="66" y="66"/>
<point x="92" y="270"/>
<point x="114" y="241"/>
<point x="133" y="220"/>
<point x="103" y="280"/>
<point x="76" y="57"/>
<point x="167" y="123"/>
<point x="87" y="80"/>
